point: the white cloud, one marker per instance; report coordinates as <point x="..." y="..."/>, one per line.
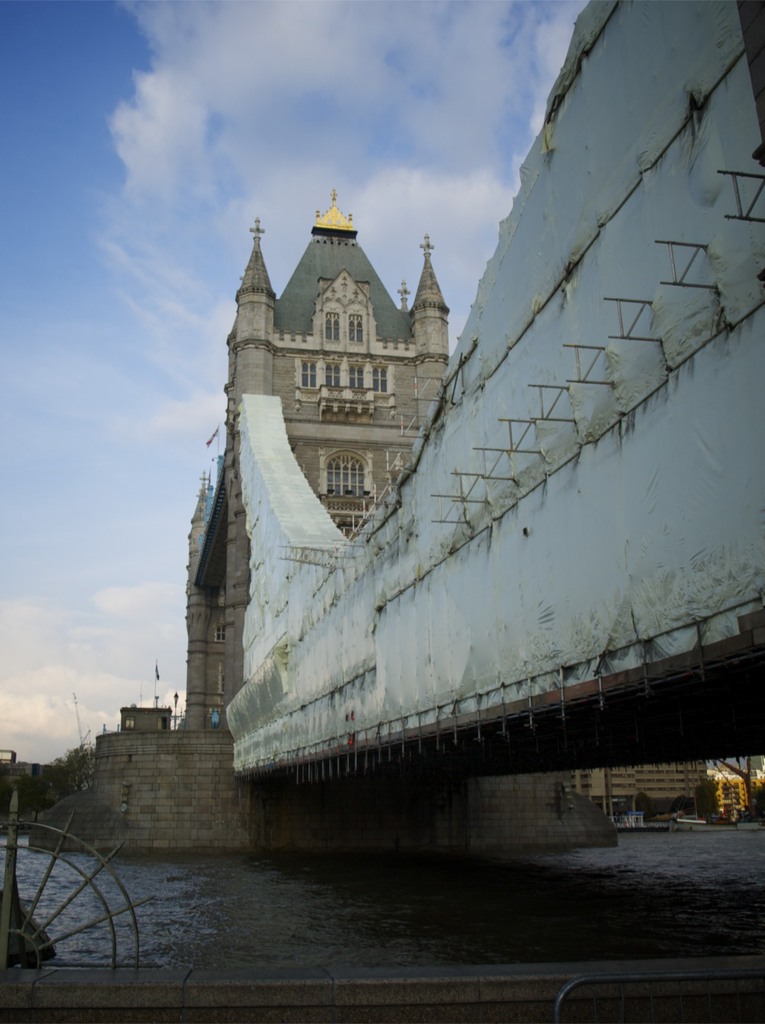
<point x="161" y="131"/>
<point x="418" y="113"/>
<point x="262" y="108"/>
<point x="128" y="603"/>
<point x="196" y="416"/>
<point x="106" y="656"/>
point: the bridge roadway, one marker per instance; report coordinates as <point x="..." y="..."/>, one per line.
<point x="705" y="704"/>
<point x="571" y="571"/>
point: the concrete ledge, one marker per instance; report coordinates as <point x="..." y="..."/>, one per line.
<point x="485" y="994"/>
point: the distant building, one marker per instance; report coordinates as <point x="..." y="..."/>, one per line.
<point x="14" y="768"/>
<point x="668" y="786"/>
<point x="134" y="719"/>
<point x="732" y="797"/>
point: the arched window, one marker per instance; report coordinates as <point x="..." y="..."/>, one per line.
<point x="345" y="475"/>
<point x="332" y="375"/>
<point x="332" y="327"/>
<point x="355" y="330"/>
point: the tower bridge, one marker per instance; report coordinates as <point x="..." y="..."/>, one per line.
<point x="570" y="572"/>
<point x="564" y="569"/>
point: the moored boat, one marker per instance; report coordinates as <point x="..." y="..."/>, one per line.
<point x="691" y="823"/>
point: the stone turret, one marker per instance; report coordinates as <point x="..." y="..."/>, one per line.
<point x="198" y="521"/>
<point x="430" y="314"/>
<point x="197" y="615"/>
<point x="250" y="355"/>
<point x="353" y="372"/>
<point x="251" y="371"/>
<point x="255" y="296"/>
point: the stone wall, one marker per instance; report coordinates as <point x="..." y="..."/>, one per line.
<point x="497" y="817"/>
<point x="170" y="791"/>
<point x="733" y="986"/>
<point x="177" y="791"/>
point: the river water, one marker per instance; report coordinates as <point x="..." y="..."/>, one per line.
<point x="655" y="895"/>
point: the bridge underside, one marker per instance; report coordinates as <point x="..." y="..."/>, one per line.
<point x="708" y="703"/>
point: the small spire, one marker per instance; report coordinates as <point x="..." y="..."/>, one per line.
<point x="404" y="293"/>
<point x="428" y="290"/>
<point x="255" y="277"/>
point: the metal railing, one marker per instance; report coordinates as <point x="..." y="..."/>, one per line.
<point x="665" y="996"/>
<point x="26" y="941"/>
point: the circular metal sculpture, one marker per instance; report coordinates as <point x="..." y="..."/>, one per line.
<point x="49" y="896"/>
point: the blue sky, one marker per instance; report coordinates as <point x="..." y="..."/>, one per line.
<point x="139" y="142"/>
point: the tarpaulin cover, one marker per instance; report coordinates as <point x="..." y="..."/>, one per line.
<point x="627" y="520"/>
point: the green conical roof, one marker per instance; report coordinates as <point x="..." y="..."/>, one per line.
<point x="328" y="254"/>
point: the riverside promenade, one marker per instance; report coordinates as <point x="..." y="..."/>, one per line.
<point x="712" y="989"/>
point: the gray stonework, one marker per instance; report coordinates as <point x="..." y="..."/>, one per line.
<point x="356" y="397"/>
<point x="497" y="818"/>
<point x="170" y="791"/>
<point x="732" y="985"/>
<point x="177" y="790"/>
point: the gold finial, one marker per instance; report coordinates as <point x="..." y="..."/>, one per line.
<point x="333" y="218"/>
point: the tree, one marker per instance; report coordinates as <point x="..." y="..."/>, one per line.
<point x="34" y="796"/>
<point x="644" y="803"/>
<point x="6" y="789"/>
<point x="72" y="772"/>
<point x="706" y="798"/>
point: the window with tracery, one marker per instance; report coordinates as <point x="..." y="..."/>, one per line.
<point x="355" y="328"/>
<point x="356" y="376"/>
<point x="332" y="327"/>
<point x="308" y="375"/>
<point x="379" y="379"/>
<point x="345" y="475"/>
<point x="332" y="375"/>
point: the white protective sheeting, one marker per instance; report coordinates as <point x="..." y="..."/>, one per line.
<point x="283" y="516"/>
<point x="631" y="517"/>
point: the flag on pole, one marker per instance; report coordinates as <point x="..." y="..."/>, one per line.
<point x="156" y="671"/>
<point x="214" y="435"/>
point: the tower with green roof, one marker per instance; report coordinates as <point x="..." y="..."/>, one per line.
<point x="354" y="372"/>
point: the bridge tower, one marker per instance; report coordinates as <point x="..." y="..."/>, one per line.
<point x="354" y="372"/>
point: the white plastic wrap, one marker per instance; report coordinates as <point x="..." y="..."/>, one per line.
<point x="635" y="512"/>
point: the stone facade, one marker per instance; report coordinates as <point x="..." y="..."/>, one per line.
<point x="354" y="373"/>
<point x="157" y="792"/>
<point x="497" y="817"/>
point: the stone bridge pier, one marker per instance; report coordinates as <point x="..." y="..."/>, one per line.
<point x="494" y="817"/>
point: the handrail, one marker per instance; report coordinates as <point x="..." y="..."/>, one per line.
<point x="648" y="977"/>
